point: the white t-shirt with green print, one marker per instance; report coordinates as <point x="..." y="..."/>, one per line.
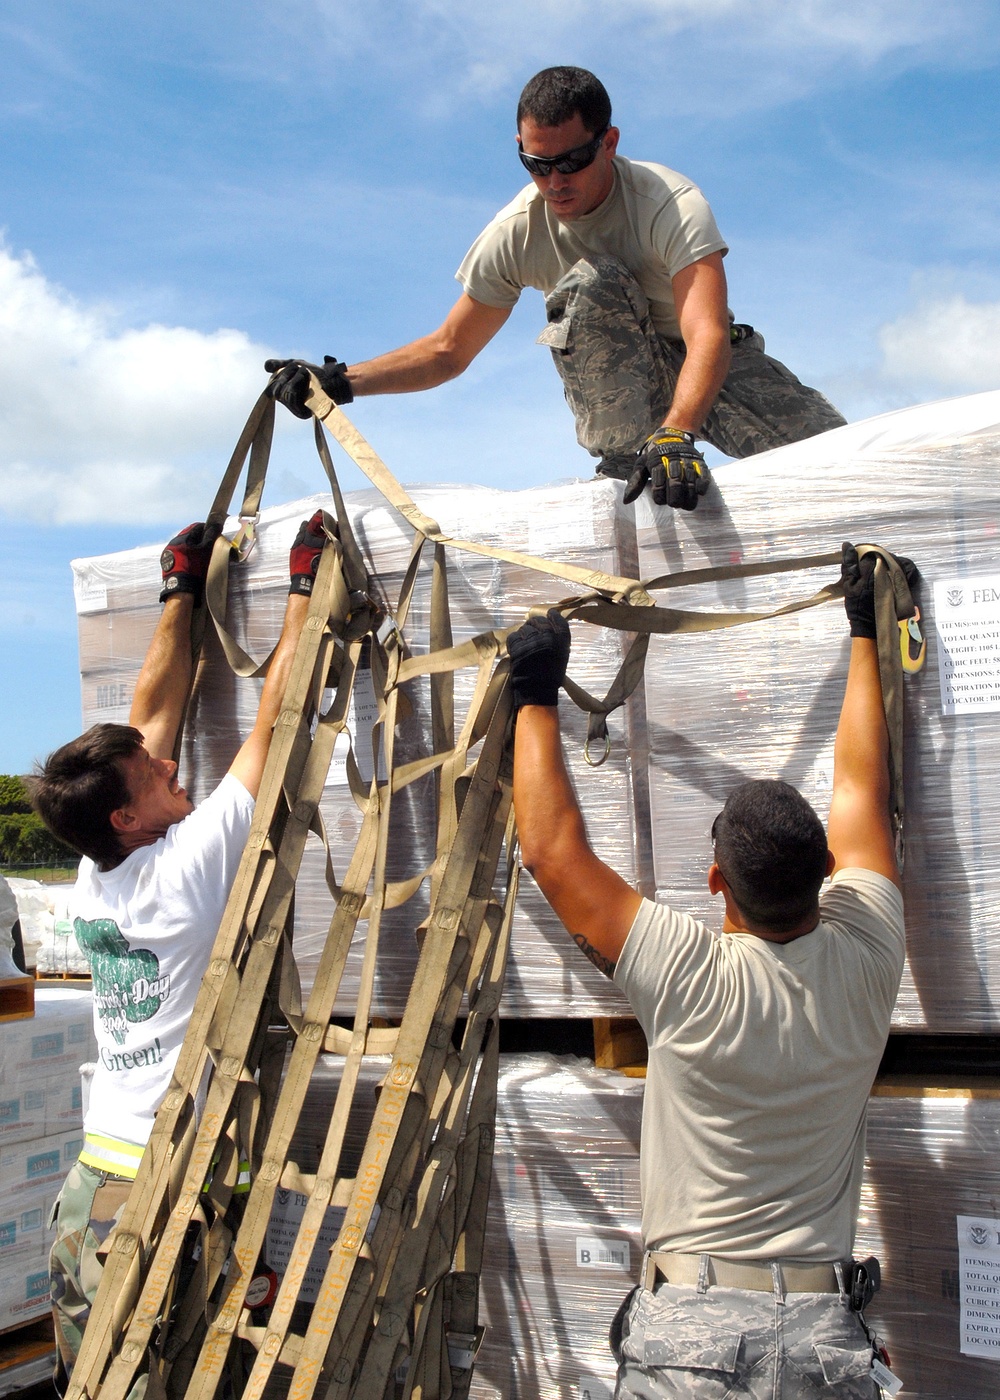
<point x="148" y="927"/>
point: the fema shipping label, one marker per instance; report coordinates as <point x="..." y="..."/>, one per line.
<point x="979" y="1281"/>
<point x="967" y="622"/>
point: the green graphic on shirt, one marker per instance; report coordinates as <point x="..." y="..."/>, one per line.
<point x="127" y="982"/>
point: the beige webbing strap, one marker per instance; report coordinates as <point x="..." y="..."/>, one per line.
<point x="893" y="604"/>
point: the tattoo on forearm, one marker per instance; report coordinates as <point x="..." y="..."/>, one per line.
<point x="602" y="963"/>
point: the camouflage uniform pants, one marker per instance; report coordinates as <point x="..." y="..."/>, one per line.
<point x="89" y="1208"/>
<point x="619" y="376"/>
<point x="725" y="1343"/>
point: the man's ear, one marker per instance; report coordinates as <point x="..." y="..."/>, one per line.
<point x="122" y="819"/>
<point x="831" y="861"/>
<point x="716" y="880"/>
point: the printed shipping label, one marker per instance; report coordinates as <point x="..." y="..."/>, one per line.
<point x="362" y="716"/>
<point x="979" y="1282"/>
<point x="593" y="1253"/>
<point x="967" y="618"/>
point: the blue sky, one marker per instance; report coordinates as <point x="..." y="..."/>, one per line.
<point x="189" y="188"/>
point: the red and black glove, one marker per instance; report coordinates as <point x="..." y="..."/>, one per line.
<point x="858" y="576"/>
<point x="539" y="655"/>
<point x="303" y="558"/>
<point x="184" y="562"/>
<point x="290" y="384"/>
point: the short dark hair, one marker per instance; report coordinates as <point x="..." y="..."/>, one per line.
<point x="556" y="95"/>
<point x="80" y="785"/>
<point x="771" y="849"/>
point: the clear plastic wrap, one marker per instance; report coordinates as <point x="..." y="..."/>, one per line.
<point x="563" y="1238"/>
<point x="931" y="1157"/>
<point x="763" y="700"/>
<point x="715" y="708"/>
<point x="564" y="1217"/>
<point x="116" y="598"/>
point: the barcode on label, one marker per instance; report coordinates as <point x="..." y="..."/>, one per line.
<point x="602" y="1254"/>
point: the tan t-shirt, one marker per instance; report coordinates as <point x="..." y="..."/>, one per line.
<point x="761" y="1059"/>
<point x="654" y="220"/>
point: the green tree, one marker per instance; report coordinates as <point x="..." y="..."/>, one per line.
<point x="24" y="837"/>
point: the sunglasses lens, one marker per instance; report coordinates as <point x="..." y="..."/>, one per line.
<point x="568" y="163"/>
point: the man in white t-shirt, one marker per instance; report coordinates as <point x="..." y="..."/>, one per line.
<point x="150" y="894"/>
<point x="763" y="1044"/>
<point x="629" y="258"/>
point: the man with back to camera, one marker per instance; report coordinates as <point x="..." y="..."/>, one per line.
<point x="763" y="1045"/>
<point x="630" y="260"/>
<point x="150" y="894"/>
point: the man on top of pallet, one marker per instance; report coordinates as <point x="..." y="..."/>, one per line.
<point x="763" y="1044"/>
<point x="630" y="260"/>
<point x="151" y="891"/>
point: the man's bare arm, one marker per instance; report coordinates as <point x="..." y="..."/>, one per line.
<point x="248" y="765"/>
<point x="860" y="828"/>
<point x="434" y="358"/>
<point x="701" y="299"/>
<point x="163" y="682"/>
<point x="597" y="906"/>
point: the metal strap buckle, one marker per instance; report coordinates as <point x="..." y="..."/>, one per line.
<point x="245" y="540"/>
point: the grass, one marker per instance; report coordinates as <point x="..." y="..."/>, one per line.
<point x="47" y="874"/>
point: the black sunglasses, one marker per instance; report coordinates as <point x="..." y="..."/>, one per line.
<point x="569" y="162"/>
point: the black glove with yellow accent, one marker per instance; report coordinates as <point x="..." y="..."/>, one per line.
<point x="184" y="562"/>
<point x="675" y="467"/>
<point x="858" y="577"/>
<point x="539" y="655"/>
<point x="290" y="384"/>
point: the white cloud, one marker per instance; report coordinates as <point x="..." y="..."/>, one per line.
<point x="100" y="422"/>
<point x="948" y="344"/>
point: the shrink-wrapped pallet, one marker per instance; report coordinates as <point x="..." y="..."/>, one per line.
<point x="584" y="524"/>
<point x="763" y="700"/>
<point x="563" y="1238"/>
<point x="563" y="1243"/>
<point x="930" y="1211"/>
<point x="41" y="1134"/>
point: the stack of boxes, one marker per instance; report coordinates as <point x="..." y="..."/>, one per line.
<point x="563" y="1244"/>
<point x="41" y="1133"/>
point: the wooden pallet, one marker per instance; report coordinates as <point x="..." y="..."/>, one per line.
<point x="84" y="978"/>
<point x="31" y="1341"/>
<point x="620" y="1044"/>
<point x="17" y="998"/>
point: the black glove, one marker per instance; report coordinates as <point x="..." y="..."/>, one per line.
<point x="539" y="655"/>
<point x="303" y="557"/>
<point x="858" y="577"/>
<point x="184" y="562"/>
<point x="676" y="468"/>
<point x="290" y="384"/>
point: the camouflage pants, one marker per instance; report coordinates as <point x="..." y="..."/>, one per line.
<point x="725" y="1343"/>
<point x="89" y="1207"/>
<point x="619" y="376"/>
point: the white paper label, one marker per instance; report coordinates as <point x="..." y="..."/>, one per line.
<point x="362" y="716"/>
<point x="90" y="593"/>
<point x="967" y="620"/>
<point x="593" y="1389"/>
<point x="979" y="1284"/>
<point x="884" y="1378"/>
<point x="593" y="1253"/>
<point x="283" y="1228"/>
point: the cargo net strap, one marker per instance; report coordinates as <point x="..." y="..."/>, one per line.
<point x="396" y="1313"/>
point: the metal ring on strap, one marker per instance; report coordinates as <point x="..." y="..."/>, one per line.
<point x="596" y="762"/>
